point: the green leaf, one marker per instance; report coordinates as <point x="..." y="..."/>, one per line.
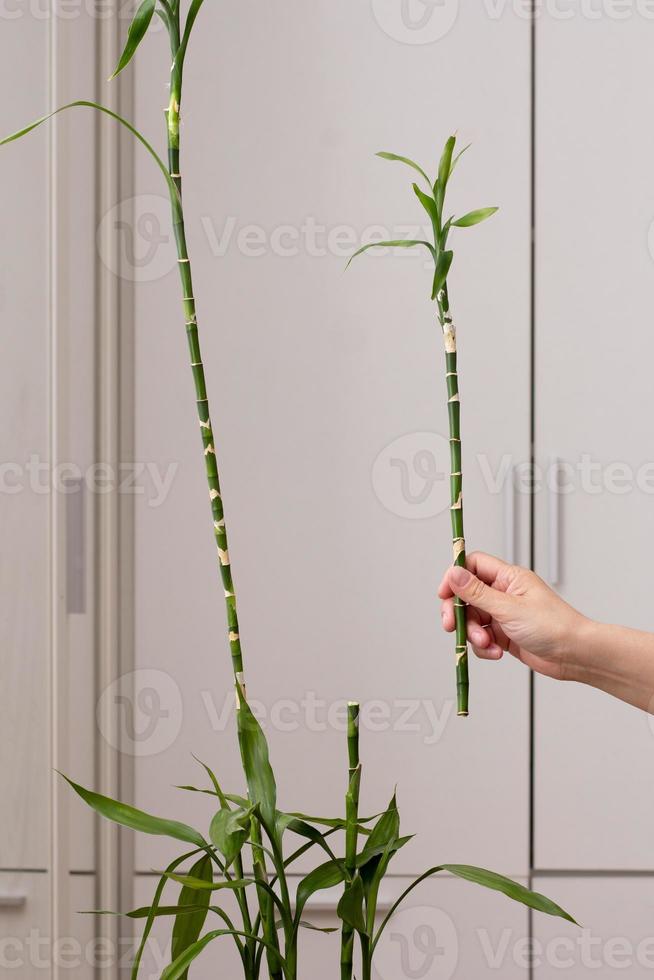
<point x="179" y="967"/>
<point x="309" y="925"/>
<point x="474" y="217"/>
<point x="187" y="928"/>
<point x="216" y="785"/>
<point x="229" y="831"/>
<point x="409" y="163"/>
<point x="458" y="157"/>
<point x="200" y="884"/>
<point x="430" y="206"/>
<point x="129" y="816"/>
<point x="324" y="876"/>
<point x="350" y="906"/>
<point x="445" y="165"/>
<point x="398" y="243"/>
<point x="101" y="108"/>
<point x="193" y="12"/>
<point x="256" y="764"/>
<point x="286" y="821"/>
<point x="152" y="911"/>
<point x="487" y="879"/>
<point x="136" y="33"/>
<point x="513" y="890"/>
<point x="385" y="831"/>
<point x="442" y="269"/>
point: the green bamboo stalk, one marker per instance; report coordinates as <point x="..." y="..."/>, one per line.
<point x="433" y="202"/>
<point x="351" y="828"/>
<point x="204" y="418"/>
<point x="456" y="492"/>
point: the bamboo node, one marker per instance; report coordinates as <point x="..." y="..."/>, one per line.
<point x="454" y="398"/>
<point x="210" y="450"/>
<point x="459" y="503"/>
<point x="449" y="337"/>
<point x="219" y="525"/>
<point x="214" y="495"/>
<point x="223" y="556"/>
<point x="205" y="425"/>
<point x="233" y="637"/>
<point x="458" y="548"/>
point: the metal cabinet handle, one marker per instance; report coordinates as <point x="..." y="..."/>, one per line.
<point x="554" y="522"/>
<point x="509" y="517"/>
<point x="75" y="546"/>
<point x="12" y="901"/>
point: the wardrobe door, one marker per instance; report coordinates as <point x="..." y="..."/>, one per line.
<point x="594" y="513"/>
<point x="616" y="934"/>
<point x="329" y="413"/>
<point x="24" y="436"/>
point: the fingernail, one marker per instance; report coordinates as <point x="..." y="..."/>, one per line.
<point x="460" y="576"/>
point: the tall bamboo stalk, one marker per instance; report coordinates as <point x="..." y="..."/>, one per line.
<point x="433" y="202"/>
<point x="351" y="827"/>
<point x="213" y="481"/>
<point x="456" y="492"/>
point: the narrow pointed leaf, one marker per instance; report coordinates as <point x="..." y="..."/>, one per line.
<point x="129" y="816"/>
<point x="200" y="884"/>
<point x="216" y="785"/>
<point x="513" y="890"/>
<point x="487" y="879"/>
<point x="309" y="925"/>
<point x="350" y="906"/>
<point x="430" y="206"/>
<point x="410" y="163"/>
<point x="286" y="821"/>
<point x="324" y="876"/>
<point x="193" y="12"/>
<point x="445" y="166"/>
<point x="458" y="157"/>
<point x="83" y="103"/>
<point x="179" y="967"/>
<point x="152" y="911"/>
<point x="137" y="31"/>
<point x="256" y="763"/>
<point x="385" y="831"/>
<point x="397" y="243"/>
<point x="442" y="269"/>
<point x="474" y="217"/>
<point x="187" y="928"/>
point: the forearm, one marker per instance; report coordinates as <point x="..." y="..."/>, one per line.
<point x="617" y="660"/>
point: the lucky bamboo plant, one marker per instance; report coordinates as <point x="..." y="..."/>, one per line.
<point x="247" y="850"/>
<point x="433" y="201"/>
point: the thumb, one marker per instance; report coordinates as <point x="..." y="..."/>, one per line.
<point x="472" y="590"/>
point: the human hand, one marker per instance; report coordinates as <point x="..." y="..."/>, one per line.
<point x="511" y="608"/>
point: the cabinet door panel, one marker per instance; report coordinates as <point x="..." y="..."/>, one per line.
<point x="595" y="278"/>
<point x="617" y="935"/>
<point x="328" y="390"/>
<point x="24" y="436"/>
<point x="28" y="947"/>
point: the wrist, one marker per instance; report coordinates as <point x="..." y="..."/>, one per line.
<point x="581" y="657"/>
